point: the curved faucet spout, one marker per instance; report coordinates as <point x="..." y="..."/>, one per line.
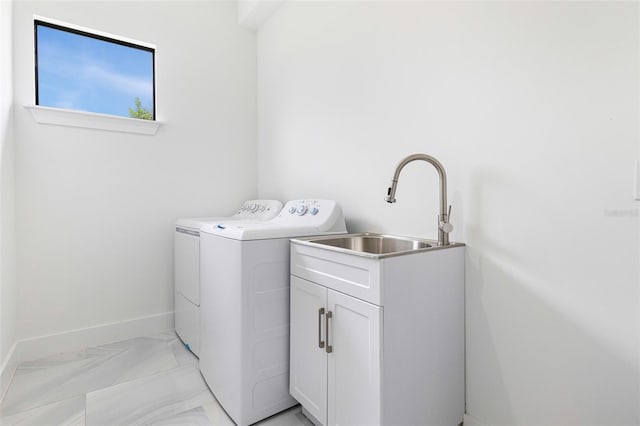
<point x="444" y="226"/>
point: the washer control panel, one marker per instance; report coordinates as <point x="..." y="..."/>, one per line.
<point x="305" y="207"/>
<point x="298" y="218"/>
<point x="259" y="209"/>
<point x="312" y="213"/>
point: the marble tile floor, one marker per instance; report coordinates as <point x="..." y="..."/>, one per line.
<point x="150" y="380"/>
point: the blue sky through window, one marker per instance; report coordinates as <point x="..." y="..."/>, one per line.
<point x="88" y="74"/>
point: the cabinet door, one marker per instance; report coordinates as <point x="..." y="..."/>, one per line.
<point x="308" y="362"/>
<point x="354" y="365"/>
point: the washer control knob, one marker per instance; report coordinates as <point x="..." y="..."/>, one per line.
<point x="263" y="208"/>
<point x="314" y="210"/>
<point x="301" y="210"/>
<point x="292" y="210"/>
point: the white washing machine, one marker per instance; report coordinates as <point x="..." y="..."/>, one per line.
<point x="187" y="266"/>
<point x="245" y="306"/>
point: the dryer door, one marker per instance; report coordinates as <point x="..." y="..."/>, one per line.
<point x="187" y="266"/>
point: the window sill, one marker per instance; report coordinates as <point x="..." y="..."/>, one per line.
<point x="90" y="120"/>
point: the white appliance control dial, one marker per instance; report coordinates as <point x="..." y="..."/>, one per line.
<point x="314" y="210"/>
<point x="301" y="210"/>
<point x="259" y="209"/>
<point x="292" y="210"/>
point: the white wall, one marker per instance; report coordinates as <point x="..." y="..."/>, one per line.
<point x="532" y="107"/>
<point x="8" y="290"/>
<point x="253" y="13"/>
<point x="95" y="209"/>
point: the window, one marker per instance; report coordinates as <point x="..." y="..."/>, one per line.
<point x="78" y="70"/>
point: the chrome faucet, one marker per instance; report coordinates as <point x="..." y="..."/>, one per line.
<point x="444" y="226"/>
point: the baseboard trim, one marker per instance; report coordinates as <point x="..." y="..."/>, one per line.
<point x="8" y="368"/>
<point x="72" y="340"/>
<point x="472" y="421"/>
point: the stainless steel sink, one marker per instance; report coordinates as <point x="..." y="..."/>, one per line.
<point x="373" y="245"/>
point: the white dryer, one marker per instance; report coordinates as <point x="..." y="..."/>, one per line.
<point x="187" y="266"/>
<point x="245" y="306"/>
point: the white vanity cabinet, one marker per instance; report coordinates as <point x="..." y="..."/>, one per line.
<point x="377" y="340"/>
<point x="333" y="388"/>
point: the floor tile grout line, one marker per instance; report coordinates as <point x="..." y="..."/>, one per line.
<point x="129" y="382"/>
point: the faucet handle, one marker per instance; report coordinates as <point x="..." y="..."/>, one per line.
<point x="445" y="225"/>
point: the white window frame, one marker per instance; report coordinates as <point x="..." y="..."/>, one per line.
<point x="92" y="120"/>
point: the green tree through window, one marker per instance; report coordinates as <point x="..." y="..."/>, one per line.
<point x="140" y="111"/>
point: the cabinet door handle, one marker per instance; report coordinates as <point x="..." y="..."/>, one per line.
<point x="329" y="315"/>
<point x="320" y="314"/>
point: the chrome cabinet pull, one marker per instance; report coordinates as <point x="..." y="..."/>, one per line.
<point x="329" y="315"/>
<point x="320" y="314"/>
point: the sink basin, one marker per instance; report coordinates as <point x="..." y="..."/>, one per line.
<point x="372" y="245"/>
